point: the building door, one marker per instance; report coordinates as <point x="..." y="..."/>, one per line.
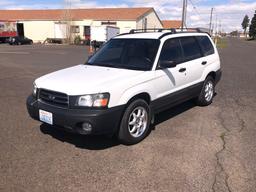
<point x="87" y="32"/>
<point x="20" y="29"/>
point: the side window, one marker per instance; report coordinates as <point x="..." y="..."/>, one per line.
<point x="206" y="45"/>
<point x="191" y="48"/>
<point x="171" y="51"/>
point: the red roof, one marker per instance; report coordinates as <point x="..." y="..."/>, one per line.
<point x="167" y="24"/>
<point x="78" y="14"/>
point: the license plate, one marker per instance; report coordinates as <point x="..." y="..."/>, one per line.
<point x="45" y="116"/>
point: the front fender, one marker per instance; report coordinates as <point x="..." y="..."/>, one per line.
<point x="131" y="92"/>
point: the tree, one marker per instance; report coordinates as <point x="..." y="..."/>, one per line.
<point x="252" y="30"/>
<point x="234" y="33"/>
<point x="245" y="23"/>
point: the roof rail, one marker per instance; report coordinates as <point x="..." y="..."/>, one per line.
<point x="174" y="30"/>
<point x="146" y="30"/>
<point x="168" y="31"/>
<point x="197" y="29"/>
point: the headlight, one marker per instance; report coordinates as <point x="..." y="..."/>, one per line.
<point x="93" y="100"/>
<point x="34" y="90"/>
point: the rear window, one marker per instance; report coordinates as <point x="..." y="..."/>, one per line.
<point x="191" y="48"/>
<point x="206" y="45"/>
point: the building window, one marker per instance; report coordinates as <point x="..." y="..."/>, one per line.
<point x="145" y="24"/>
<point x="87" y="30"/>
<point x="108" y="23"/>
<point x="75" y="29"/>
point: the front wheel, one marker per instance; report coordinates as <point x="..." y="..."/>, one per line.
<point x="135" y="123"/>
<point x="206" y="95"/>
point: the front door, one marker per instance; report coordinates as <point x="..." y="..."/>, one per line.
<point x="170" y="80"/>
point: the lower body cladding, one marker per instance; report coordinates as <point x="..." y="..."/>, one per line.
<point x="82" y="121"/>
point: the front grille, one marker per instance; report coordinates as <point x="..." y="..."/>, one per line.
<point x="53" y="98"/>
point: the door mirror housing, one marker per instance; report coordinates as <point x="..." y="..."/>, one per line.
<point x="167" y="64"/>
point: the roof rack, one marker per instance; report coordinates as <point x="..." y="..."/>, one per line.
<point x="168" y="31"/>
<point x="197" y="29"/>
<point x="148" y="30"/>
<point x="173" y="30"/>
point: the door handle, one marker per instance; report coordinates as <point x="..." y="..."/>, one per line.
<point x="182" y="70"/>
<point x="204" y="62"/>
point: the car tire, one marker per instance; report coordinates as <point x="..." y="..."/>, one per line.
<point x="135" y="123"/>
<point x="207" y="92"/>
<point x="19" y="43"/>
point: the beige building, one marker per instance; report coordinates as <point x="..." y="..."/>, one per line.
<point x="42" y="24"/>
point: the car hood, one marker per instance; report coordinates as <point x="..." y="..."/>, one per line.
<point x="84" y="79"/>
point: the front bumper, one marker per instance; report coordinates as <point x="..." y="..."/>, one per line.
<point x="103" y="121"/>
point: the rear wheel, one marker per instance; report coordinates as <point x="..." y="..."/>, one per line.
<point x="206" y="95"/>
<point x="135" y="122"/>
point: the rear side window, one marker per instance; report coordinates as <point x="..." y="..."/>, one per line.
<point x="171" y="51"/>
<point x="206" y="45"/>
<point x="191" y="48"/>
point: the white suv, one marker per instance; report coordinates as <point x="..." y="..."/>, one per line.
<point x="126" y="82"/>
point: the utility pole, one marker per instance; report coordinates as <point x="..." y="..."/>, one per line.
<point x="216" y="30"/>
<point x="210" y="27"/>
<point x="184" y="14"/>
<point x="220" y="32"/>
<point x="216" y="25"/>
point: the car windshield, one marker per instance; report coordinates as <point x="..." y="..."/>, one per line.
<point x="134" y="54"/>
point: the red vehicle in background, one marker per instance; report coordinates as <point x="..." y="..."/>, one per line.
<point x="8" y="29"/>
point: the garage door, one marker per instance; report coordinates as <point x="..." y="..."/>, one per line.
<point x="60" y="30"/>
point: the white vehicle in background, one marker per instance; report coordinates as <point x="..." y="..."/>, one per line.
<point x="126" y="82"/>
<point x="102" y="34"/>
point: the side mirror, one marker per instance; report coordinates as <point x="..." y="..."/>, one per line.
<point x="167" y="64"/>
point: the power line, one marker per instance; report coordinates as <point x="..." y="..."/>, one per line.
<point x="194" y="7"/>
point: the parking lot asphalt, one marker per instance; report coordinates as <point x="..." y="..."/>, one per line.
<point x="190" y="148"/>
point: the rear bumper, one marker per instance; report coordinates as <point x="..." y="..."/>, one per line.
<point x="103" y="121"/>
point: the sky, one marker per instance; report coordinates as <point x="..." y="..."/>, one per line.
<point x="227" y="14"/>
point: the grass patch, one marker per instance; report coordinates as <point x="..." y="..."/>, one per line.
<point x="221" y="42"/>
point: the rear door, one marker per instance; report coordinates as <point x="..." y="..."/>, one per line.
<point x="207" y="49"/>
<point x="180" y="82"/>
<point x="193" y="60"/>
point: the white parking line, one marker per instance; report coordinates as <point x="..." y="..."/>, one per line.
<point x="11" y="52"/>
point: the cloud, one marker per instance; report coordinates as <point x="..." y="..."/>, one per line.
<point x="229" y="13"/>
<point x="229" y="16"/>
<point x="4" y="3"/>
<point x="91" y="4"/>
<point x="195" y="18"/>
<point x="13" y="4"/>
